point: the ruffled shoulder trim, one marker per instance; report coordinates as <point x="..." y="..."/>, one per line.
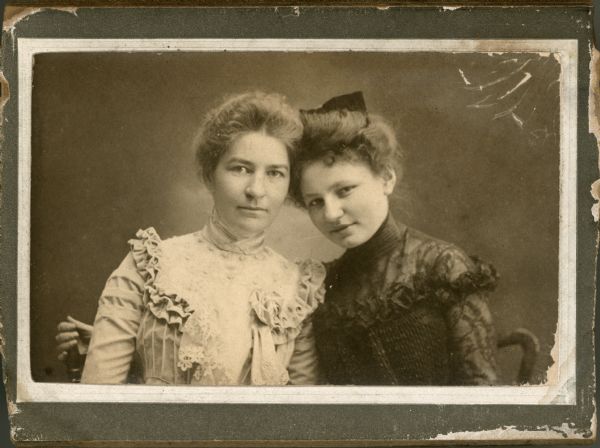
<point x="450" y="281"/>
<point x="285" y="316"/>
<point x="442" y="270"/>
<point x="146" y="252"/>
<point x="456" y="276"/>
<point x="311" y="287"/>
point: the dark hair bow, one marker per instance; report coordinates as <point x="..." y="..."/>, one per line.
<point x="351" y="102"/>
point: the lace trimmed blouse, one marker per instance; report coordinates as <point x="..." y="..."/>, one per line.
<point x="407" y="309"/>
<point x="205" y="309"/>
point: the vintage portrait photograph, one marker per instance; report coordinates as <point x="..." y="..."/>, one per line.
<point x="299" y="226"/>
<point x="279" y="213"/>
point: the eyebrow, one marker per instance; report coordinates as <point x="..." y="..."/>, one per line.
<point x="333" y="187"/>
<point x="280" y="167"/>
<point x="247" y="162"/>
<point x="307" y="197"/>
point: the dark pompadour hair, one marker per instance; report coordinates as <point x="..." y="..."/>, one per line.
<point x="342" y="135"/>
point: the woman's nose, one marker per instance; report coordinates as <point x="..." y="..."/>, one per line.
<point x="333" y="210"/>
<point x="256" y="187"/>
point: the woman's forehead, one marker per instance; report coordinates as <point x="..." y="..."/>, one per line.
<point x="321" y="176"/>
<point x="257" y="148"/>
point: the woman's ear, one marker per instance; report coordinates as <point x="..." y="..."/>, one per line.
<point x="389" y="180"/>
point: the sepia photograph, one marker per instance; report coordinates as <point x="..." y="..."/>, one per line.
<point x="276" y="217"/>
<point x="349" y="235"/>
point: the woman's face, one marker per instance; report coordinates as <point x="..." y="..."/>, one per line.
<point x="346" y="200"/>
<point x="250" y="183"/>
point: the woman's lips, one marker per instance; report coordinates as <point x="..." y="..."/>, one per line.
<point x="339" y="229"/>
<point x="254" y="210"/>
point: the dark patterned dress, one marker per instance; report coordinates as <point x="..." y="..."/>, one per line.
<point x="406" y="309"/>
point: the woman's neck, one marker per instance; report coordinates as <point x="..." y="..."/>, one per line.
<point x="221" y="235"/>
<point x="383" y="241"/>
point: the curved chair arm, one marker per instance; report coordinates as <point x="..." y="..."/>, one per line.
<point x="530" y="347"/>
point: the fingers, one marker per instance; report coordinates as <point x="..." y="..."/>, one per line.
<point x="66" y="326"/>
<point x="73" y="320"/>
<point x="66" y="346"/>
<point x="67" y="336"/>
<point x="85" y="329"/>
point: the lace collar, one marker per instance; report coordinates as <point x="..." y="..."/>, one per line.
<point x="217" y="233"/>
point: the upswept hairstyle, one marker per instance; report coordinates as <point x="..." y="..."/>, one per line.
<point x="335" y="135"/>
<point x="268" y="113"/>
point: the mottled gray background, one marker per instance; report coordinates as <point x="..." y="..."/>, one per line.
<point x="111" y="149"/>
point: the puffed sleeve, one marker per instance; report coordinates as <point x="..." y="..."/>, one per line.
<point x="117" y="320"/>
<point x="472" y="332"/>
<point x="303" y="367"/>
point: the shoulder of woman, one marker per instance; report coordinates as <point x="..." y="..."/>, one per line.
<point x="150" y="237"/>
<point x="425" y="247"/>
<point x="311" y="287"/>
<point x="147" y="243"/>
<point x="147" y="251"/>
<point x="454" y="265"/>
<point x="152" y="254"/>
<point x="285" y="314"/>
<point x="311" y="276"/>
<point x="446" y="266"/>
<point x="434" y="254"/>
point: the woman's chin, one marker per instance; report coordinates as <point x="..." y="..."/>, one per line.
<point x="348" y="242"/>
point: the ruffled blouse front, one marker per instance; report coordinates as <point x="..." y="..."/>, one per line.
<point x="206" y="309"/>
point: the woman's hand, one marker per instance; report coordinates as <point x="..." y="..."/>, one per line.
<point x="72" y="333"/>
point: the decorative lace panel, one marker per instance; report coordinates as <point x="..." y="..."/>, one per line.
<point x="217" y="300"/>
<point x="284" y="314"/>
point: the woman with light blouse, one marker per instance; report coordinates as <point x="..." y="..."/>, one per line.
<point x="217" y="306"/>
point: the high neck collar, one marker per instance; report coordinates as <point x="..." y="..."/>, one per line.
<point x="384" y="241"/>
<point x="217" y="233"/>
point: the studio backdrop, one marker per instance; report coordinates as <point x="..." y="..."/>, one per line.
<point x="112" y="152"/>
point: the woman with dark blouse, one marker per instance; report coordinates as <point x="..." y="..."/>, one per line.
<point x="400" y="307"/>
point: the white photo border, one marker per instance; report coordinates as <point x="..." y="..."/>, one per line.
<point x="559" y="390"/>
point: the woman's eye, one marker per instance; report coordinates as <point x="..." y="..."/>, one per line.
<point x="239" y="169"/>
<point x="314" y="203"/>
<point x="276" y="173"/>
<point x="345" y="191"/>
